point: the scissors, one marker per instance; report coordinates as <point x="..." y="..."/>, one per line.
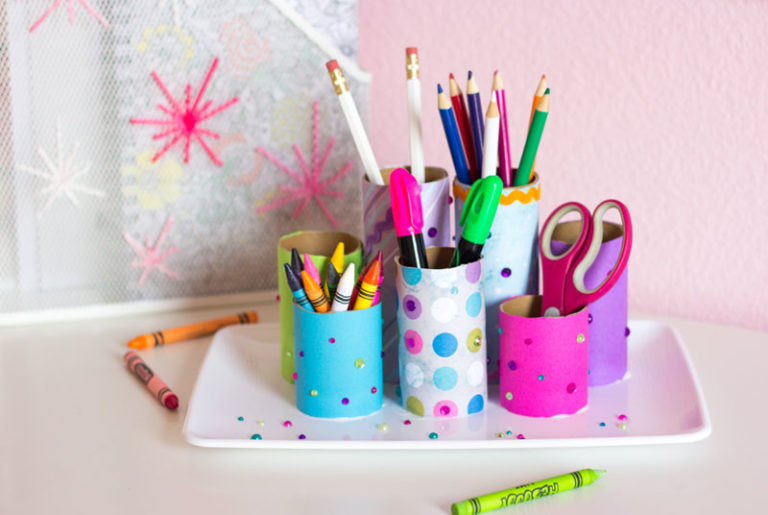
<point x="564" y="289"/>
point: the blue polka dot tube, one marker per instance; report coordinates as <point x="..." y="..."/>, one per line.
<point x="442" y="348"/>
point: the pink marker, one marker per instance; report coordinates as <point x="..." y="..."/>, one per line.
<point x="311" y="269"/>
<point x="405" y="194"/>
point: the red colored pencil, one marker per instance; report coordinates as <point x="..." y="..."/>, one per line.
<point x="462" y="120"/>
<point x="505" y="161"/>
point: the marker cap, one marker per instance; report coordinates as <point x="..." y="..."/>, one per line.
<point x="480" y="209"/>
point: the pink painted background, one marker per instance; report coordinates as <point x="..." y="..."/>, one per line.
<point x="663" y="105"/>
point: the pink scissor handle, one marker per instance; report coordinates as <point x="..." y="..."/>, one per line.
<point x="556" y="268"/>
<point x="577" y="295"/>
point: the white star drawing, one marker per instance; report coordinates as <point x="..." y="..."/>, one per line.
<point x="62" y="175"/>
<point x="174" y="8"/>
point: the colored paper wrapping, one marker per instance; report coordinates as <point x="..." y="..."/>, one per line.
<point x="544" y="360"/>
<point x="338" y="362"/>
<point x="510" y="255"/>
<point x="608" y="328"/>
<point x="320" y="246"/>
<point x="380" y="235"/>
<point x="441" y="317"/>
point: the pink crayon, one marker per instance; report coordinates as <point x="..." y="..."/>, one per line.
<point x="380" y="259"/>
<point x="153" y="383"/>
<point x="311" y="269"/>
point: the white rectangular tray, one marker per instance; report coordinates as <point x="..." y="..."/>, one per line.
<point x="240" y="393"/>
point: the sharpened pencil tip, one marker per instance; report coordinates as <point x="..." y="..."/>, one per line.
<point x="439" y="89"/>
<point x="469" y="75"/>
<point x="450" y="76"/>
<point x="546" y="92"/>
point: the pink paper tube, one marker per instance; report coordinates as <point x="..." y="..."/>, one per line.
<point x="608" y="329"/>
<point x="544" y="360"/>
<point x="380" y="235"/>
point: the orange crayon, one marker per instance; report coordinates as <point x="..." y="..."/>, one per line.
<point x="153" y="383"/>
<point x="315" y="293"/>
<point x="187" y="332"/>
<point x="368" y="287"/>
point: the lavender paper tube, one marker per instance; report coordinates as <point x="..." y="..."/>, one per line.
<point x="380" y="235"/>
<point x="608" y="329"/>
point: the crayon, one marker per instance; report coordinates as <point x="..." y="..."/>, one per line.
<point x="187" y="332"/>
<point x="153" y="383"/>
<point x="527" y="492"/>
<point x="294" y="283"/>
<point x="380" y="259"/>
<point x="315" y="294"/>
<point x="296" y="262"/>
<point x="311" y="269"/>
<point x="344" y="291"/>
<point x="359" y="282"/>
<point x="335" y="269"/>
<point x="368" y="287"/>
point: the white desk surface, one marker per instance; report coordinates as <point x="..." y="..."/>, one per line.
<point x="79" y="434"/>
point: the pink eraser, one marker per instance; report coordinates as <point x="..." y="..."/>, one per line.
<point x="332" y="65"/>
<point x="411" y="50"/>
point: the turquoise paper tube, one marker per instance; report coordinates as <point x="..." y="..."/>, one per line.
<point x="338" y="362"/>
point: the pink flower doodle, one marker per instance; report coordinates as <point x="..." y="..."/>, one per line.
<point x="148" y="256"/>
<point x="309" y="184"/>
<point x="71" y="10"/>
<point x="184" y="120"/>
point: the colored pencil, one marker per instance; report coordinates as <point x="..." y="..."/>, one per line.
<point x="540" y="89"/>
<point x="344" y="291"/>
<point x="355" y="123"/>
<point x="413" y="84"/>
<point x="462" y="120"/>
<point x="452" y="136"/>
<point x="505" y="162"/>
<point x="475" y="124"/>
<point x="532" y="142"/>
<point x="491" y="143"/>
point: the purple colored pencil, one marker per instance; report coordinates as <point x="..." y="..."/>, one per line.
<point x="476" y="123"/>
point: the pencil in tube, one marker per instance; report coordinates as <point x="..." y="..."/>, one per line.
<point x="355" y="123"/>
<point x="540" y="89"/>
<point x="475" y="123"/>
<point x="505" y="161"/>
<point x="462" y="120"/>
<point x="452" y="136"/>
<point x="491" y="142"/>
<point x="532" y="141"/>
<point x="413" y="84"/>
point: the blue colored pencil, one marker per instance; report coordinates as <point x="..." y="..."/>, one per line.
<point x="476" y="120"/>
<point x="452" y="136"/>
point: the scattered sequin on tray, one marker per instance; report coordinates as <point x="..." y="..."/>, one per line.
<point x="240" y="419"/>
<point x="407" y="422"/>
<point x="255" y="436"/>
<point x="521" y="436"/>
<point x="602" y="424"/>
<point x="287" y="423"/>
<point x="261" y="423"/>
<point x="433" y="436"/>
<point x="383" y="427"/>
<point x="302" y="437"/>
<point x="622" y="418"/>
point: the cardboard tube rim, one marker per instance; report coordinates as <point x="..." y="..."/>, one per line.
<point x="529" y="306"/>
<point x="431" y="174"/>
<point x="321" y="243"/>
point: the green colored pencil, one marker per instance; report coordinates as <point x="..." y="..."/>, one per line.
<point x="532" y="142"/>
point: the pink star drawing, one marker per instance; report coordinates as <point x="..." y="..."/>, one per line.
<point x="309" y="184"/>
<point x="149" y="256"/>
<point x="71" y="10"/>
<point x="183" y="122"/>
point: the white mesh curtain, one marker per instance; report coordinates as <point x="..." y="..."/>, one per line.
<point x="103" y="200"/>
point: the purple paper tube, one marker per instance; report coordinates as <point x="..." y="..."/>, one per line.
<point x="608" y="329"/>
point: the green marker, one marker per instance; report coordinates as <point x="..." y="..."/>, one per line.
<point x="528" y="492"/>
<point x="476" y="218"/>
<point x="532" y="141"/>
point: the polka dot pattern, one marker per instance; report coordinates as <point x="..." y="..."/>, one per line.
<point x="445" y="378"/>
<point x="413" y="341"/>
<point x="474" y="304"/>
<point x="445" y="345"/>
<point x="445" y="408"/>
<point x="415" y="406"/>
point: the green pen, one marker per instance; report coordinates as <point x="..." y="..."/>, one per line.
<point x="527" y="492"/>
<point x="477" y="218"/>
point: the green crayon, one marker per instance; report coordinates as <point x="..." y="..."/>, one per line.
<point x="527" y="492"/>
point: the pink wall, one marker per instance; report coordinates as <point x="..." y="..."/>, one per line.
<point x="663" y="105"/>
